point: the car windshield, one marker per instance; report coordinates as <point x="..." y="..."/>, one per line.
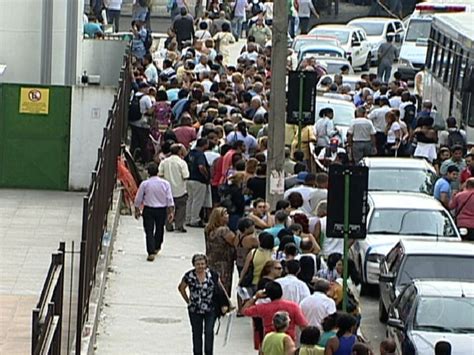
<point x="446" y="267"/>
<point x="321" y="52"/>
<point x="343" y="114"/>
<point x="342" y="36"/>
<point x="418" y="29"/>
<point x="445" y="314"/>
<point x="410" y="180"/>
<point x="308" y="41"/>
<point x="428" y="223"/>
<point x="371" y="28"/>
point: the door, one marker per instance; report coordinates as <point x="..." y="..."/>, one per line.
<point x="34" y="142"/>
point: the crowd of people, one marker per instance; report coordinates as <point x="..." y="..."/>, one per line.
<point x="198" y="118"/>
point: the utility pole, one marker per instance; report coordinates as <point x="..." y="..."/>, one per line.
<point x="276" y="117"/>
<point x="46" y="41"/>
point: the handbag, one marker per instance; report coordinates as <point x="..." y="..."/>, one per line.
<point x="247" y="280"/>
<point x="220" y="299"/>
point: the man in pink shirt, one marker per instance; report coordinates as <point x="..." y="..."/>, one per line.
<point x="185" y="132"/>
<point x="237" y="147"/>
<point x="266" y="311"/>
<point x="463" y="205"/>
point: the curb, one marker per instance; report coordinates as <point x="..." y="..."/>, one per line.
<point x="97" y="295"/>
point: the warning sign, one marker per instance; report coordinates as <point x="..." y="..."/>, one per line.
<point x="34" y="101"/>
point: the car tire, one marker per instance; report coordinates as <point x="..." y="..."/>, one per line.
<point x="366" y="65"/>
<point x="383" y="315"/>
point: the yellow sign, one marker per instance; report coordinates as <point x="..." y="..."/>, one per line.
<point x="34" y="101"/>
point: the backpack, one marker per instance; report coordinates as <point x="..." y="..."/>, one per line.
<point x="134" y="113"/>
<point x="456" y="138"/>
<point x="162" y="114"/>
<point x="256" y="8"/>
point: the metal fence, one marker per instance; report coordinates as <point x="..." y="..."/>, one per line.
<point x="98" y="200"/>
<point x="48" y="314"/>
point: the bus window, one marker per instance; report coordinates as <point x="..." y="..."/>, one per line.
<point x="448" y="63"/>
<point x="418" y="29"/>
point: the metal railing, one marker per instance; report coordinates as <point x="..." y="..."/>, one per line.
<point x="97" y="202"/>
<point x="48" y="314"/>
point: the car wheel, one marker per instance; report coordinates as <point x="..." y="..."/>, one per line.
<point x="383" y="315"/>
<point x="366" y="65"/>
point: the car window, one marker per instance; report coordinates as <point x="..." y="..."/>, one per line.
<point x="390" y="28"/>
<point x="398" y="26"/>
<point x="399" y="179"/>
<point x="445" y="314"/>
<point x="405" y="305"/>
<point x="448" y="267"/>
<point x="361" y="35"/>
<point x="394" y="258"/>
<point x="354" y="37"/>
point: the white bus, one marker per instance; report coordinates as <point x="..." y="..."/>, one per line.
<point x="415" y="42"/>
<point x="449" y="79"/>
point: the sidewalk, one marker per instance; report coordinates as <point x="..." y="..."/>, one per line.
<point x="32" y="223"/>
<point x="143" y="312"/>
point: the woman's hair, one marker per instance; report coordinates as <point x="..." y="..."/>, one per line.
<point x="251" y="166"/>
<point x="333" y="259"/>
<point x="325" y="112"/>
<point x="225" y="27"/>
<point x="203" y="25"/>
<point x="242" y="128"/>
<point x="330" y="322"/>
<point x="215" y="219"/>
<point x="296" y="200"/>
<point x="345" y="322"/>
<point x="322" y="208"/>
<point x="244" y="224"/>
<point x="310" y="336"/>
<point x="267" y="268"/>
<point x="282" y="204"/>
<point x="237" y="178"/>
<point x="197" y="257"/>
<point x="266" y="240"/>
<point x="302" y="220"/>
<point x="161" y="95"/>
<point x="281" y="320"/>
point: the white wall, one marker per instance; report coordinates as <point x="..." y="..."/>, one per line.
<point x="90" y="108"/>
<point x="20" y="40"/>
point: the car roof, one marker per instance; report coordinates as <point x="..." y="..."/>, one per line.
<point x="321" y="46"/>
<point x="328" y="37"/>
<point x="403" y="163"/>
<point x="401" y="200"/>
<point x="328" y="100"/>
<point x="372" y="19"/>
<point x="337" y="27"/>
<point x="430" y="247"/>
<point x="442" y="288"/>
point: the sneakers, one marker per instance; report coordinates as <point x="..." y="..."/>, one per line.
<point x="181" y="230"/>
<point x="151" y="257"/>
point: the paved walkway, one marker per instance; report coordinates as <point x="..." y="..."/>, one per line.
<point x="143" y="312"/>
<point x="32" y="223"/>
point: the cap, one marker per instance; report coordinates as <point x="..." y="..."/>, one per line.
<point x="301" y="176"/>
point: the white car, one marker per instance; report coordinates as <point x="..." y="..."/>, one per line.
<point x="303" y="40"/>
<point x="394" y="216"/>
<point x="343" y="114"/>
<point x="331" y="64"/>
<point x="353" y="40"/>
<point x="377" y="29"/>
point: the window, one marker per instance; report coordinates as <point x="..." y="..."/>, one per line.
<point x="406" y="302"/>
<point x="371" y="28"/>
<point x="448" y="63"/>
<point x="390" y="28"/>
<point x="441" y="57"/>
<point x="418" y="29"/>
<point x="398" y="26"/>
<point x="436" y="41"/>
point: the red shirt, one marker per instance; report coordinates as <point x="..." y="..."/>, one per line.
<point x="226" y="165"/>
<point x="463" y="203"/>
<point x="185" y="135"/>
<point x="267" y="310"/>
<point x="465" y="174"/>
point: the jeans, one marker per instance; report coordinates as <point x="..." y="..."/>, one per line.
<point x="196" y="197"/>
<point x="237" y="23"/>
<point x="384" y="71"/>
<point x="380" y="141"/>
<point x="304" y="23"/>
<point x="113" y="16"/>
<point x="197" y="321"/>
<point x="291" y="26"/>
<point x="154" y="220"/>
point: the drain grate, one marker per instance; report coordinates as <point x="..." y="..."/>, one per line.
<point x="161" y="320"/>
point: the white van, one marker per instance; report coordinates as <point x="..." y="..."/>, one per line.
<point x="415" y="43"/>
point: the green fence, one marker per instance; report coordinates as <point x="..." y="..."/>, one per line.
<point x="34" y="136"/>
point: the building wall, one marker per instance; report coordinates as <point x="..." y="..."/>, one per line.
<point x="90" y="108"/>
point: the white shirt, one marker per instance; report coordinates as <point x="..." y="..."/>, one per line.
<point x="200" y="68"/>
<point x="202" y="35"/>
<point x="211" y="156"/>
<point x="332" y="157"/>
<point x="151" y="74"/>
<point x="361" y="129"/>
<point x="395" y="101"/>
<point x="311" y="197"/>
<point x="330" y="245"/>
<point x="113" y="4"/>
<point x="377" y="116"/>
<point x="391" y="137"/>
<point x="317" y="307"/>
<point x="175" y="171"/>
<point x="293" y="289"/>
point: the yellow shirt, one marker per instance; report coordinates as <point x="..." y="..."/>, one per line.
<point x="273" y="344"/>
<point x="259" y="260"/>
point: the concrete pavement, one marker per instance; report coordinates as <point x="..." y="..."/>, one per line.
<point x="32" y="223"/>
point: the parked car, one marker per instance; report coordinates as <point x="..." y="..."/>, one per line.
<point x="398" y="215"/>
<point x="400" y="174"/>
<point x="428" y="311"/>
<point x="415" y="259"/>
<point x="377" y="29"/>
<point x="321" y="50"/>
<point x="353" y="40"/>
<point x="343" y="113"/>
<point x="331" y="64"/>
<point x="303" y="40"/>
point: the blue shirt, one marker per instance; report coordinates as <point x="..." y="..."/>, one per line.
<point x="91" y="29"/>
<point x="274" y="231"/>
<point x="442" y="185"/>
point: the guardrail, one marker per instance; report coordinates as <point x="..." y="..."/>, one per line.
<point x="98" y="200"/>
<point x="48" y="314"/>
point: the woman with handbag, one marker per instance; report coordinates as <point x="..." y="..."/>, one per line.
<point x="206" y="295"/>
<point x="220" y="250"/>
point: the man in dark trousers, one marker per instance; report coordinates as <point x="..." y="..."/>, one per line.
<point x="156" y="197"/>
<point x="183" y="26"/>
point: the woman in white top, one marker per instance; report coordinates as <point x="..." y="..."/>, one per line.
<point x="223" y="40"/>
<point x="393" y="132"/>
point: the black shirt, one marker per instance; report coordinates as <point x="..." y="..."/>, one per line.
<point x="183" y="26"/>
<point x="258" y="186"/>
<point x="194" y="159"/>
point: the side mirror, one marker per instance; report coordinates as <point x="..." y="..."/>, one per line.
<point x="387" y="278"/>
<point x="395" y="323"/>
<point x="463" y="232"/>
